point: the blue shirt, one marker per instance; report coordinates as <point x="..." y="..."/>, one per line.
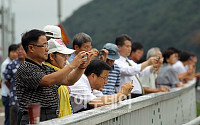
<point x="9" y="75"/>
<point x="4" y="89"/>
<point x="113" y="81"/>
<point x="71" y="57"/>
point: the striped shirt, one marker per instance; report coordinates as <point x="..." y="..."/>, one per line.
<point x="113" y="81"/>
<point x="28" y="78"/>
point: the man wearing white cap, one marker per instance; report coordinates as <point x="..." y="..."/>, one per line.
<point x="57" y="56"/>
<point x="52" y="32"/>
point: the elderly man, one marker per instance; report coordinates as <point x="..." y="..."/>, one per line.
<point x="38" y="83"/>
<point x="82" y="95"/>
<point x="149" y="82"/>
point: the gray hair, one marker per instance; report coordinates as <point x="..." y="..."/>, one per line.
<point x="81" y="38"/>
<point x="152" y="52"/>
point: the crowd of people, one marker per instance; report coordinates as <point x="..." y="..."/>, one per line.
<point x="64" y="81"/>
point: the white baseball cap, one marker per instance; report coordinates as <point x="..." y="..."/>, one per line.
<point x="53" y="31"/>
<point x="56" y="45"/>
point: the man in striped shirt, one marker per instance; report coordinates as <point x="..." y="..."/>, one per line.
<point x="112" y="87"/>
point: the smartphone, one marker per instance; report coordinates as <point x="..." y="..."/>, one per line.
<point x="131" y="81"/>
<point x="101" y="53"/>
<point x="84" y="57"/>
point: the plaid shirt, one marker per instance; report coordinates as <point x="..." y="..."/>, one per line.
<point x="9" y="76"/>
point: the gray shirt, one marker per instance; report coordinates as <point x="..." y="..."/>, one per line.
<point x="167" y="76"/>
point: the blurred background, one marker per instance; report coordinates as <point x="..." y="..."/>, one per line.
<point x="157" y="23"/>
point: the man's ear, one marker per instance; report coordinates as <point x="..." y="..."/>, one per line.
<point x="51" y="56"/>
<point x="93" y="75"/>
<point x="76" y="47"/>
<point x="30" y="48"/>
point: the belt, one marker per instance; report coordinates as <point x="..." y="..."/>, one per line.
<point x="44" y="111"/>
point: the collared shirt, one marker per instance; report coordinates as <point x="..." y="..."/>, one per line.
<point x="113" y="81"/>
<point x="4" y="89"/>
<point x="9" y="76"/>
<point x="71" y="57"/>
<point x="128" y="73"/>
<point x="81" y="93"/>
<point x="179" y="67"/>
<point x="28" y="78"/>
<point x="167" y="76"/>
<point x="149" y="81"/>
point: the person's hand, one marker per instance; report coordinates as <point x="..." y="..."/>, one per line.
<point x="84" y="63"/>
<point x="95" y="52"/>
<point x="180" y="84"/>
<point x="78" y="59"/>
<point x="104" y="57"/>
<point x="126" y="88"/>
<point x="164" y="89"/>
<point x="153" y="60"/>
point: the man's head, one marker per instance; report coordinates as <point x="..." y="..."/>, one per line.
<point x="185" y="57"/>
<point x="136" y="51"/>
<point x="169" y="57"/>
<point x="97" y="72"/>
<point x="58" y="52"/>
<point x="21" y="53"/>
<point x="82" y="42"/>
<point x="123" y="43"/>
<point x="35" y="45"/>
<point x="155" y="52"/>
<point x="113" y="53"/>
<point x="12" y="51"/>
<point x="52" y="32"/>
<point x="176" y="52"/>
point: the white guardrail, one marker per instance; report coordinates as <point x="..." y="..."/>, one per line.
<point x="164" y="108"/>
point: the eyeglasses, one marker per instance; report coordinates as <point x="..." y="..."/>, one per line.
<point x="45" y="45"/>
<point x="104" y="78"/>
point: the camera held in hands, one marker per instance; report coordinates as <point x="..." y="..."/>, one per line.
<point x="84" y="57"/>
<point x="101" y="53"/>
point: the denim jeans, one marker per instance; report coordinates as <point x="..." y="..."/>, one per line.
<point x="5" y="101"/>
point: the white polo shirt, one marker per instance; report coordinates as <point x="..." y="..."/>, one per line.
<point x="81" y="93"/>
<point x="179" y="67"/>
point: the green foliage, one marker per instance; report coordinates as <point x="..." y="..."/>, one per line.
<point x="161" y="23"/>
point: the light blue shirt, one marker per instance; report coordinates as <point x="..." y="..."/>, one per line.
<point x="4" y="89"/>
<point x="71" y="57"/>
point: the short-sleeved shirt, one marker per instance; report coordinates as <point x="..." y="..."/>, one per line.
<point x="28" y="78"/>
<point x="71" y="57"/>
<point x="9" y="76"/>
<point x="167" y="76"/>
<point x="4" y="89"/>
<point x="179" y="67"/>
<point x="81" y="93"/>
<point x="113" y="81"/>
<point x="149" y="81"/>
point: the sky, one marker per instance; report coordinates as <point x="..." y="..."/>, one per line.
<point x="31" y="14"/>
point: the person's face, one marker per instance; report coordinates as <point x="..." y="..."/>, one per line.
<point x="13" y="55"/>
<point x="137" y="55"/>
<point x="58" y="60"/>
<point x="40" y="49"/>
<point x="172" y="59"/>
<point x="158" y="53"/>
<point x="86" y="47"/>
<point x="100" y="81"/>
<point x="110" y="62"/>
<point x="21" y="52"/>
<point x="125" y="50"/>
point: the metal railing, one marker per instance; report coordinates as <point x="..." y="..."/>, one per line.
<point x="165" y="108"/>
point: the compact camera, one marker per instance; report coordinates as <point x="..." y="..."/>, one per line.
<point x="101" y="53"/>
<point x="84" y="57"/>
